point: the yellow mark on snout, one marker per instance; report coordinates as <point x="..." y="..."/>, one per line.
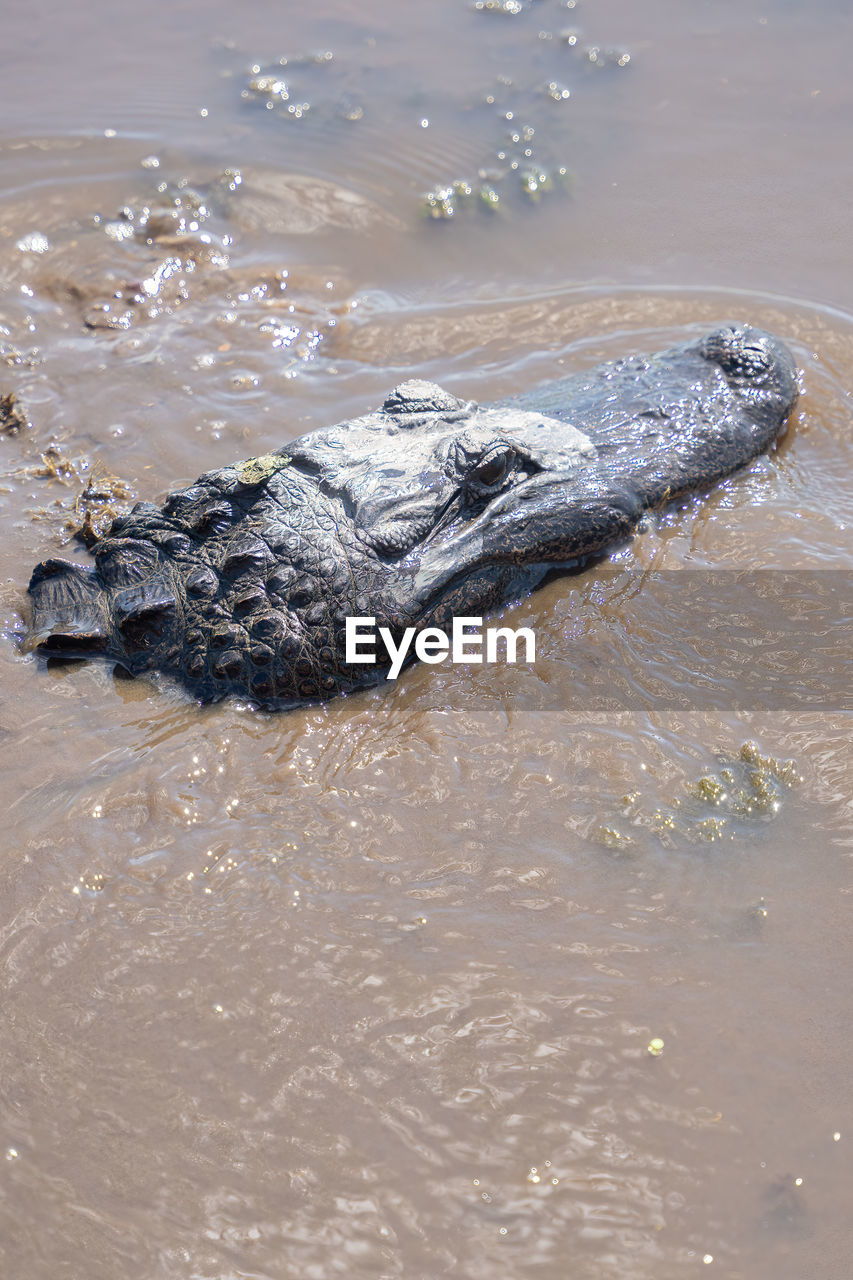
<point x="257" y="470"/>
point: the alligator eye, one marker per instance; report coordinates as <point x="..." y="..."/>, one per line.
<point x="124" y="561"/>
<point x="492" y="470"/>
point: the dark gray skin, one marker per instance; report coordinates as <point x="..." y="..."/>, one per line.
<point x="426" y="509"/>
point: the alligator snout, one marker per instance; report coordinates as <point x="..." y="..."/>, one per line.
<point x="66" y="610"/>
<point x="752" y="360"/>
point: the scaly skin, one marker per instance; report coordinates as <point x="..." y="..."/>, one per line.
<point x="426" y="509"/>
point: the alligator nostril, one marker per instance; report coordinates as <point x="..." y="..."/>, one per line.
<point x="742" y="354"/>
<point x="753" y="360"/>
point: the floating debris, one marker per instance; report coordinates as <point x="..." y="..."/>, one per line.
<point x="275" y="93"/>
<point x="746" y="787"/>
<point x="34" y="242"/>
<point x="267" y="87"/>
<point x="175" y="212"/>
<point x="519" y="170"/>
<point x="752" y="792"/>
<point x="711" y="790"/>
<point x="278" y="94"/>
<point x="612" y="838"/>
<point x="349" y="108"/>
<point x="105" y="315"/>
<point x="598" y="57"/>
<point x="96" y="507"/>
<point x="510" y="7"/>
<point x="318" y="58"/>
<point x="446" y="202"/>
<point x="490" y="192"/>
<point x="710" y="829"/>
<point x="655" y="1047"/>
<point x="175" y="219"/>
<point x="55" y="465"/>
<point x="535" y="182"/>
<point x="90" y="512"/>
<point x="12" y="416"/>
<point x="489" y="197"/>
<point x="14" y="358"/>
<point x="439" y="203"/>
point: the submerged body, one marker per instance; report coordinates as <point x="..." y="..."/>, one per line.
<point x="430" y="508"/>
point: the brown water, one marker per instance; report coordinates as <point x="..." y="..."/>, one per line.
<point x="367" y="989"/>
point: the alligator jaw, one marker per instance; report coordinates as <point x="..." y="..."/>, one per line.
<point x="66" y="616"/>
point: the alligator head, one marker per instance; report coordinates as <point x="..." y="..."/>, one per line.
<point x="428" y="508"/>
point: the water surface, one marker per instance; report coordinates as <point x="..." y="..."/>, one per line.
<point x="368" y="989"/>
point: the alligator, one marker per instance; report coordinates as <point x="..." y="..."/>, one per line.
<point x="429" y="508"/>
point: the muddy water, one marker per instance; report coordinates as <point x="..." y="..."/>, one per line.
<point x="368" y="989"/>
